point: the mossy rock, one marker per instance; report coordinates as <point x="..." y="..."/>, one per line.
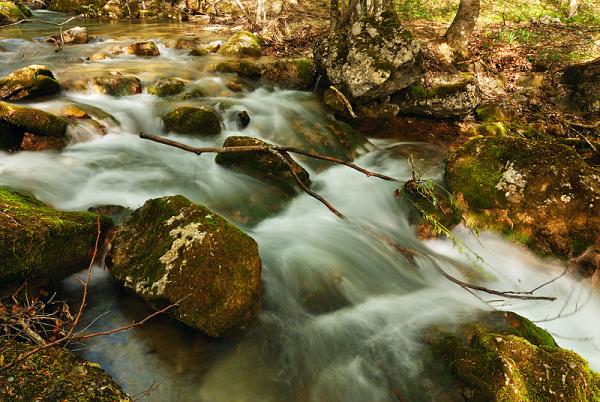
<point x="242" y="44"/>
<point x="11" y="12"/>
<point x="244" y="69"/>
<point x="262" y="164"/>
<point x="147" y="49"/>
<point x="28" y="82"/>
<point x="193" y="120"/>
<point x="166" y="87"/>
<point x="444" y="96"/>
<point x="39" y="242"/>
<point x="10" y="137"/>
<point x="34" y="121"/>
<point x="54" y="374"/>
<point x="117" y="84"/>
<point x="296" y="74"/>
<point x="583" y="81"/>
<point x="502" y="356"/>
<point x="172" y="249"/>
<point x="542" y="193"/>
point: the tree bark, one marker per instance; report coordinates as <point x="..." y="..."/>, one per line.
<point x="573" y="6"/>
<point x="457" y="36"/>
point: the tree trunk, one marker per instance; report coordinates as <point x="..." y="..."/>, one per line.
<point x="457" y="36"/>
<point x="573" y="6"/>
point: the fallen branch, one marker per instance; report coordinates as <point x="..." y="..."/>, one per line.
<point x="278" y="151"/>
<point x="26" y="20"/>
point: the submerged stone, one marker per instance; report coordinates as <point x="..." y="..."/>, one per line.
<point x="371" y="58"/>
<point x="54" y="374"/>
<point x="172" y="249"/>
<point x="242" y="44"/>
<point x="34" y="121"/>
<point x="39" y="242"/>
<point x="263" y="164"/>
<point x="28" y="82"/>
<point x="193" y="120"/>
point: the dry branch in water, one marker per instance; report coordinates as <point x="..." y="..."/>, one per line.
<point x="71" y="335"/>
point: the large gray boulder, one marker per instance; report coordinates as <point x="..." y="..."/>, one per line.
<point x="371" y="58"/>
<point x="172" y="249"/>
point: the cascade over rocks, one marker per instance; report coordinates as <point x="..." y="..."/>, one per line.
<point x="371" y="58"/>
<point x="171" y="249"/>
<point x="28" y="82"/>
<point x="39" y="242"/>
<point x="539" y="193"/>
<point x="263" y="164"/>
<point x="193" y="120"/>
<point x="54" y="374"/>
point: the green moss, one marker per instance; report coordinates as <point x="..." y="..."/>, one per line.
<point x="191" y="120"/>
<point x="11" y="12"/>
<point x="242" y="68"/>
<point x="28" y="82"/>
<point x="32" y="120"/>
<point x="54" y="374"/>
<point x="243" y="43"/>
<point x="166" y="87"/>
<point x="37" y="241"/>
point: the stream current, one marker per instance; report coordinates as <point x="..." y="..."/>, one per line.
<point x="342" y="310"/>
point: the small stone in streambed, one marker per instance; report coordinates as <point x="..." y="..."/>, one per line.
<point x="172" y="250"/>
<point x="166" y="87"/>
<point x="72" y="36"/>
<point x="186" y="43"/>
<point x="99" y="56"/>
<point x="28" y="82"/>
<point x="117" y="84"/>
<point x="263" y="164"/>
<point x="242" y="119"/>
<point x="193" y="120"/>
<point x="234" y="85"/>
<point x="147" y="48"/>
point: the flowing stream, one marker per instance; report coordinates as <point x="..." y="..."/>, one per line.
<point x="342" y="309"/>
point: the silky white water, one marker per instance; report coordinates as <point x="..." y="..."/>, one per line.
<point x="342" y="309"/>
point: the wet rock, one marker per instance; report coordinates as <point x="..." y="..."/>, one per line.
<point x="117" y="84"/>
<point x="242" y="68"/>
<point x="541" y="194"/>
<point x="242" y="119"/>
<point x="32" y="142"/>
<point x="171" y="249"/>
<point x="112" y="10"/>
<point x="166" y="87"/>
<point x="193" y="120"/>
<point x="32" y="120"/>
<point x="11" y="12"/>
<point x="74" y="112"/>
<point x="186" y="43"/>
<point x="10" y="137"/>
<point x="199" y="51"/>
<point x="28" y="82"/>
<point x="583" y="81"/>
<point x="99" y="56"/>
<point x="441" y="96"/>
<point x="54" y="374"/>
<point x="296" y="74"/>
<point x="207" y="48"/>
<point x="234" y="85"/>
<point x="502" y="356"/>
<point x="41" y="243"/>
<point x="242" y="44"/>
<point x="147" y="48"/>
<point x="75" y="36"/>
<point x="371" y="58"/>
<point x="262" y="164"/>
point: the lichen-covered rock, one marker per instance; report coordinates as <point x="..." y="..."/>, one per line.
<point x="166" y="87"/>
<point x="263" y="164"/>
<point x="11" y="12"/>
<point x="147" y="48"/>
<point x="502" y="356"/>
<point x="441" y="97"/>
<point x="242" y="44"/>
<point x="539" y="193"/>
<point x="32" y="120"/>
<point x="290" y="74"/>
<point x="117" y="84"/>
<point x="37" y="241"/>
<point x="28" y="82"/>
<point x="54" y="374"/>
<point x="171" y="249"/>
<point x="193" y="120"/>
<point x="583" y="80"/>
<point x="371" y="58"/>
<point x="242" y="68"/>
